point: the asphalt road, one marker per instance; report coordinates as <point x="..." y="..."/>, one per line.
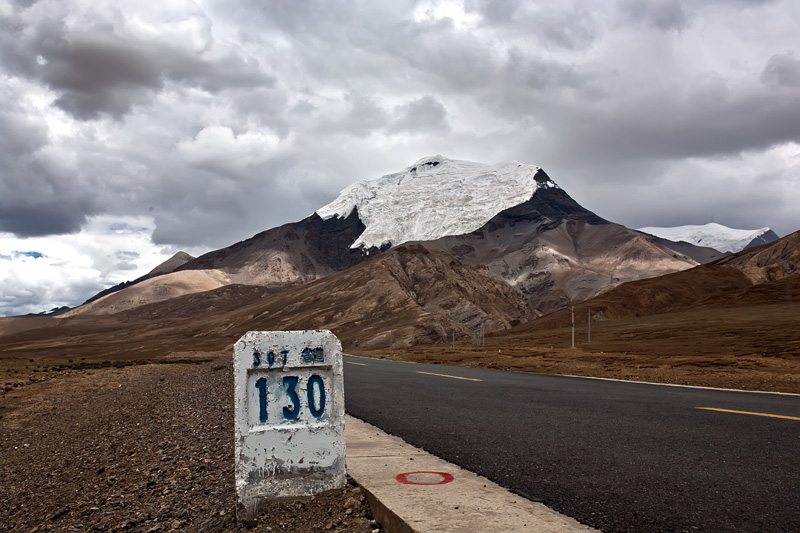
<point x="617" y="456"/>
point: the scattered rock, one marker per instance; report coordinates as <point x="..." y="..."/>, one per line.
<point x="154" y="455"/>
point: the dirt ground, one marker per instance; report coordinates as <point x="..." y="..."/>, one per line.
<point x="143" y="447"/>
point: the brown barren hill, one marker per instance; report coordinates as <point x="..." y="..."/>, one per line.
<point x="769" y="262"/>
<point x="406" y="296"/>
<point x="157" y="289"/>
<point x="299" y="251"/>
<point x="711" y="325"/>
<point x="177" y="260"/>
<point x="746" y="278"/>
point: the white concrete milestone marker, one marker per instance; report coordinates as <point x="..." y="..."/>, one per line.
<point x="289" y="399"/>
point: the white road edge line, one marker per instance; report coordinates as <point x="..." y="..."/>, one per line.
<point x="679" y="385"/>
<point x="610" y="379"/>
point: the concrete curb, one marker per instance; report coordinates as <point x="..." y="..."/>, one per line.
<point x="410" y="490"/>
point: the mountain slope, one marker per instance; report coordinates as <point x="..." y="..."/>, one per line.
<point x="770" y="262"/>
<point x="555" y="252"/>
<point x="174" y="262"/>
<point x="412" y="292"/>
<point x="166" y="267"/>
<point x="156" y="289"/>
<point x="752" y="276"/>
<point x="300" y="251"/>
<point x="409" y="295"/>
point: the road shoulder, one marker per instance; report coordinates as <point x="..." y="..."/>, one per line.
<point x="412" y="490"/>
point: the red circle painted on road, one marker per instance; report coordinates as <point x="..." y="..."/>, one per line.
<point x="403" y="478"/>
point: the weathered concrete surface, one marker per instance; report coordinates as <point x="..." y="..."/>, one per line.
<point x="434" y="503"/>
<point x="289" y="405"/>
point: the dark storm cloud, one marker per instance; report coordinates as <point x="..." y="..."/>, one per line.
<point x="423" y="114"/>
<point x="52" y="181"/>
<point x="573" y="30"/>
<point x="97" y="73"/>
<point x="55" y="217"/>
<point x="582" y="88"/>
<point x="494" y="11"/>
<point x="193" y="223"/>
<point x="349" y="42"/>
<point x="20" y="134"/>
<point x="448" y="59"/>
<point x="530" y="72"/>
<point x="662" y="14"/>
<point x="100" y="73"/>
<point x="728" y="200"/>
<point x="782" y="70"/>
<point x="363" y="116"/>
<point x="709" y="122"/>
<point x="35" y="198"/>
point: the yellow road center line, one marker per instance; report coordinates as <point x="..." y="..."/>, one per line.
<point x="749" y="413"/>
<point x="447" y="376"/>
<point x="352" y="363"/>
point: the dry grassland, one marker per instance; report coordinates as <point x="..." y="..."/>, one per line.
<point x="753" y="348"/>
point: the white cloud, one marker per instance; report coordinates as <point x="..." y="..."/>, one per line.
<point x="40" y="273"/>
<point x="219" y="148"/>
<point x="450" y="10"/>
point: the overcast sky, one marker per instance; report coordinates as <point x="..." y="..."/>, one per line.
<point x="131" y="130"/>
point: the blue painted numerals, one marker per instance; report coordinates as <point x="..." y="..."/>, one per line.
<point x="290" y="384"/>
<point x="316" y="401"/>
<point x="258" y="358"/>
<point x="261" y="385"/>
<point x="315" y="397"/>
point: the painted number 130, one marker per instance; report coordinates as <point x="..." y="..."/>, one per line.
<point x="315" y="394"/>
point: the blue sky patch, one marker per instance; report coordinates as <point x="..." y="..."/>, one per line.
<point x="35" y="255"/>
<point x="122" y="227"/>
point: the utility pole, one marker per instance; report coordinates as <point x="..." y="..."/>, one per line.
<point x="573" y="326"/>
<point x="589" y="326"/>
<point x="391" y="339"/>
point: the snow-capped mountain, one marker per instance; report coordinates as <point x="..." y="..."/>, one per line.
<point x="433" y="198"/>
<point x="510" y="219"/>
<point x="715" y="236"/>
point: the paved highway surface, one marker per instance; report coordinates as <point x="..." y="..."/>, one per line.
<point x="618" y="456"/>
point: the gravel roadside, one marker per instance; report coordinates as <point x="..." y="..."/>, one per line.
<point x="142" y="448"/>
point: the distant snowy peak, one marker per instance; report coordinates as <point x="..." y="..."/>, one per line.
<point x="715" y="236"/>
<point x="435" y="197"/>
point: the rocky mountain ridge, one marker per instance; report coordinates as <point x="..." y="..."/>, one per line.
<point x="555" y="252"/>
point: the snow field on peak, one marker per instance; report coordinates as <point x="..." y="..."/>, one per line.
<point x="433" y="198"/>
<point x="713" y="235"/>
